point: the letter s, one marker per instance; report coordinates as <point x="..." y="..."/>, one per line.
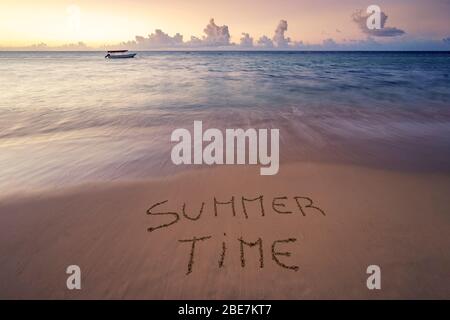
<point x="149" y="211"/>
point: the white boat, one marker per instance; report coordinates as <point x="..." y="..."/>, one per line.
<point x="119" y="54"/>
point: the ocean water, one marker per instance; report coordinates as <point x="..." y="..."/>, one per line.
<point x="73" y="117"/>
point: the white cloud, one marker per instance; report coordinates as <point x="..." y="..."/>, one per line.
<point x="79" y="46"/>
<point x="329" y="43"/>
<point x="265" y="42"/>
<point x="158" y="39"/>
<point x="360" y="19"/>
<point x="195" y="42"/>
<point x="246" y="41"/>
<point x="216" y="35"/>
<point x="279" y="39"/>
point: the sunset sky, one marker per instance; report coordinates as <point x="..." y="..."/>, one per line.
<point x="108" y="22"/>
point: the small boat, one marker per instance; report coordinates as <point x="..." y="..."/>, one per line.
<point x="119" y="54"/>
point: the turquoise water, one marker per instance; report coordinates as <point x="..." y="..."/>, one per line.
<point x="68" y="118"/>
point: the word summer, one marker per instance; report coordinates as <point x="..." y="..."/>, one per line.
<point x="235" y="147"/>
<point x="280" y="205"/>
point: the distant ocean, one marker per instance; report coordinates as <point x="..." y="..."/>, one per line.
<point x="73" y="117"/>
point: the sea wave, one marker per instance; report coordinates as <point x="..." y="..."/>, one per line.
<point x="66" y="118"/>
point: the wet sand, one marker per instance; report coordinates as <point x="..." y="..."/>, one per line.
<point x="399" y="221"/>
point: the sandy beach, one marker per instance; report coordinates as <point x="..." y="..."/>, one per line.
<point x="358" y="217"/>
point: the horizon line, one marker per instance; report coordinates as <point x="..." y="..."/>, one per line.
<point x="231" y="50"/>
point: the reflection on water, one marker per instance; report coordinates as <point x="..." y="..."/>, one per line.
<point x="67" y="118"/>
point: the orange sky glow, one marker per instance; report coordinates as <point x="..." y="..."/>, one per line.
<point x="57" y="22"/>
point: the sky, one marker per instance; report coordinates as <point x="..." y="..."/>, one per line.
<point x="270" y="24"/>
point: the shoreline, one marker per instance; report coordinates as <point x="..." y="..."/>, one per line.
<point x="180" y="172"/>
<point x="135" y="147"/>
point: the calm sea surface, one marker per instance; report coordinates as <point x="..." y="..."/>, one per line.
<point x="68" y="118"/>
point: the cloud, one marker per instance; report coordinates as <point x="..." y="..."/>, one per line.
<point x="78" y="46"/>
<point x="279" y="39"/>
<point x="246" y="41"/>
<point x="265" y="42"/>
<point x="360" y="19"/>
<point x="38" y="46"/>
<point x="330" y="43"/>
<point x="371" y="44"/>
<point x="194" y="42"/>
<point x="158" y="39"/>
<point x="216" y="36"/>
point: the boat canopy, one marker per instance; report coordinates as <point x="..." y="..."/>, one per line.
<point x="117" y="51"/>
